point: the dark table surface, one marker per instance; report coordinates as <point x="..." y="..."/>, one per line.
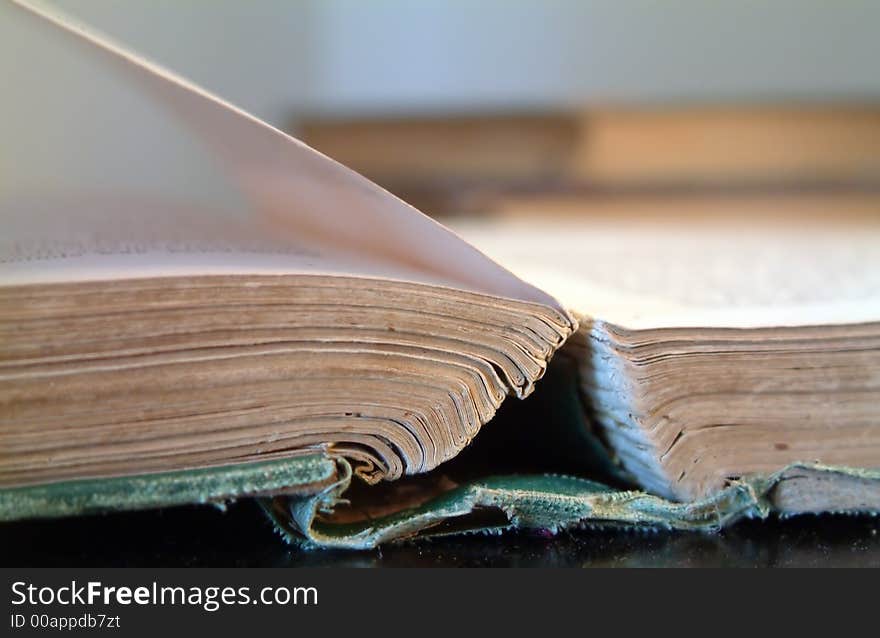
<point x="242" y="536"/>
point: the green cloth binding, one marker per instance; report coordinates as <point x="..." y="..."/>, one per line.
<point x="537" y="502"/>
<point x="208" y="485"/>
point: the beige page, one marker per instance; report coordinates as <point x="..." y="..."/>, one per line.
<point x="643" y="272"/>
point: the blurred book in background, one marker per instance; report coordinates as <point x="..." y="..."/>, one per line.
<point x="803" y="159"/>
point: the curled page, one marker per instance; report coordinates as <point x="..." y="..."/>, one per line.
<point x="125" y="144"/>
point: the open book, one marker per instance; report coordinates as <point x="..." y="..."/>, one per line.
<point x="195" y="307"/>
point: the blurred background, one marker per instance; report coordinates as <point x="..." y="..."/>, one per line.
<point x="579" y="106"/>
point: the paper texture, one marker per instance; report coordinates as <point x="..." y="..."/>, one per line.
<point x="642" y="273"/>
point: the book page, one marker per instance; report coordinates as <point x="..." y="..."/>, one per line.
<point x="666" y="272"/>
<point x="113" y="167"/>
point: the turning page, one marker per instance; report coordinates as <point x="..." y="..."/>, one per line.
<point x="156" y="176"/>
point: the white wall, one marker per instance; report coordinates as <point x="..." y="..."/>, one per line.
<point x="457" y="53"/>
<point x="274" y="57"/>
<point x="254" y="54"/>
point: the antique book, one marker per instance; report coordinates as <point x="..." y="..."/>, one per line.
<point x="196" y="307"/>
